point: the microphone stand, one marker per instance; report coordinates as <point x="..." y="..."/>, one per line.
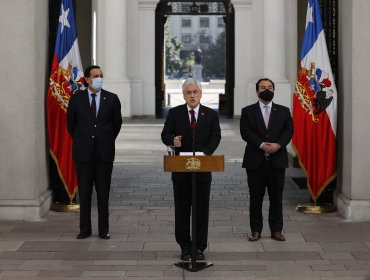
<point x="193" y="211"/>
<point x="194" y="265"/>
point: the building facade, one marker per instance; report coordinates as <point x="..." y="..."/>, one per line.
<point x="196" y="31"/>
<point x="120" y="36"/>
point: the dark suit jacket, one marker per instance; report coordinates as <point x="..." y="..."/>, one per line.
<point x="207" y="135"/>
<point x="254" y="132"/>
<point x="85" y="130"/>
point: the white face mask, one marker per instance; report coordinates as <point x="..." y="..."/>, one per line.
<point x="97" y="83"/>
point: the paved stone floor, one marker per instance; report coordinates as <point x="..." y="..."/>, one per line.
<point x="318" y="247"/>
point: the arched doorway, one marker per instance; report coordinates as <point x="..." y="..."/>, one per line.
<point x="222" y="8"/>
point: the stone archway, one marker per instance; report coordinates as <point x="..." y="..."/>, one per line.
<point x="224" y="8"/>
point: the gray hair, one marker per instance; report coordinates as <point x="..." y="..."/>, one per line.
<point x="191" y="81"/>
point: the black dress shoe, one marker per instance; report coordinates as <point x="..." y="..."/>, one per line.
<point x="199" y="255"/>
<point x="104" y="236"/>
<point x="254" y="236"/>
<point x="83" y="235"/>
<point x="185" y="255"/>
<point x="278" y="236"/>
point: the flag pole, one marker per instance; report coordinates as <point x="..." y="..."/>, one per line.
<point x="66" y="76"/>
<point x="315" y="113"/>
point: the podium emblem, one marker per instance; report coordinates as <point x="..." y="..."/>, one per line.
<point x="192" y="164"/>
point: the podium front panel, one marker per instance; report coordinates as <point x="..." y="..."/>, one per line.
<point x="194" y="163"/>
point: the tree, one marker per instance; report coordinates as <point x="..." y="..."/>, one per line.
<point x="214" y="58"/>
<point x="175" y="66"/>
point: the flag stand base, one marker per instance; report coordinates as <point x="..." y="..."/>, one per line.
<point x="314" y="208"/>
<point x="60" y="207"/>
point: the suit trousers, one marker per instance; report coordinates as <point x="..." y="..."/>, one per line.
<point x="258" y="180"/>
<point x="183" y="203"/>
<point x="94" y="172"/>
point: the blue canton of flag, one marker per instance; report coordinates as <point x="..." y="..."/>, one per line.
<point x="66" y="46"/>
<point x="313" y="27"/>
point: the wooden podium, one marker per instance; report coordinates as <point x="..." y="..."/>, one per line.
<point x="194" y="164"/>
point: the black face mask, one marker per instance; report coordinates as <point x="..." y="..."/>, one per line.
<point x="266" y="95"/>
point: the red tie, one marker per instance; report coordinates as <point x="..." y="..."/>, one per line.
<point x="193" y="122"/>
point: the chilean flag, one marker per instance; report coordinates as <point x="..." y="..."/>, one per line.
<point x="315" y="107"/>
<point x="65" y="78"/>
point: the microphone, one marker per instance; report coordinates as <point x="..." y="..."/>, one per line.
<point x="193" y="125"/>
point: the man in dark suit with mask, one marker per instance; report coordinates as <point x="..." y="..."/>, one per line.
<point x="94" y="120"/>
<point x="187" y="125"/>
<point x="267" y="128"/>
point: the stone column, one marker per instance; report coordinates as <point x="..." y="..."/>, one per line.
<point x="111" y="49"/>
<point x="244" y="46"/>
<point x="146" y="57"/>
<point x="353" y="192"/>
<point x="24" y="192"/>
<point x="274" y="39"/>
<point x="133" y="59"/>
<point x="275" y="48"/>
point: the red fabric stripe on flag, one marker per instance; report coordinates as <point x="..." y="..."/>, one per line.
<point x="315" y="144"/>
<point x="59" y="139"/>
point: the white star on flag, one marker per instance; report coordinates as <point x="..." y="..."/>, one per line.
<point x="63" y="19"/>
<point x="309" y="17"/>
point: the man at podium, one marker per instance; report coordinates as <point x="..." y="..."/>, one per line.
<point x="191" y="127"/>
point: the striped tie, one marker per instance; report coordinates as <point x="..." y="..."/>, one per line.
<point x="266" y="115"/>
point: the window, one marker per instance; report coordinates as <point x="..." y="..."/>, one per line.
<point x="186" y="22"/>
<point x="186" y="38"/>
<point x="204" y="39"/>
<point x="220" y="22"/>
<point x="204" y="22"/>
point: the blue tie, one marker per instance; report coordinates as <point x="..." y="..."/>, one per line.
<point x="93" y="105"/>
